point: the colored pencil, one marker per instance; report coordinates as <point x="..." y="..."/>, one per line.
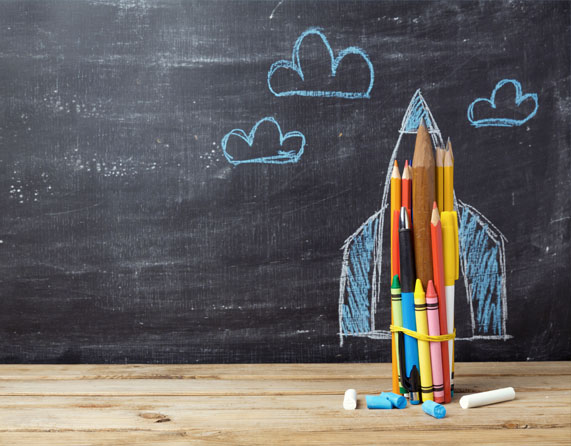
<point x="411" y="378"/>
<point x="395" y="206"/>
<point x="407" y="187"/>
<point x="438" y="263"/>
<point x="422" y="198"/>
<point x="451" y="253"/>
<point x="435" y="347"/>
<point x="448" y="179"/>
<point x="423" y="346"/>
<point x="440" y="177"/>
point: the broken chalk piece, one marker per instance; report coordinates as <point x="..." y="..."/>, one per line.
<point x="485" y="398"/>
<point x="397" y="401"/>
<point x="378" y="402"/>
<point x="350" y="400"/>
<point x="434" y="409"/>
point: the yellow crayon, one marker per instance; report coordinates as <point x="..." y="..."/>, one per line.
<point x="423" y="346"/>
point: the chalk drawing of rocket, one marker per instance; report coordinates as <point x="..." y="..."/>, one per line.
<point x="482" y="259"/>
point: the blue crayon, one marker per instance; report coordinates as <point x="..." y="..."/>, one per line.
<point x="408" y="277"/>
<point x="397" y="401"/>
<point x="378" y="402"/>
<point x="434" y="409"/>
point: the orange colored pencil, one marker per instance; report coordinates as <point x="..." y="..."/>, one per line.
<point x="438" y="273"/>
<point x="395" y="206"/>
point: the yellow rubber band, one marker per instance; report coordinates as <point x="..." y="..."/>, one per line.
<point x="423" y="337"/>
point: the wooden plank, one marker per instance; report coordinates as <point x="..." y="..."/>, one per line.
<point x="268" y="371"/>
<point x="269" y="404"/>
<point x="264" y="437"/>
<point x="301" y="413"/>
<point x="190" y="387"/>
<point x="549" y="399"/>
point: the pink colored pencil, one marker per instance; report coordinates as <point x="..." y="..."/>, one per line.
<point x="435" y="348"/>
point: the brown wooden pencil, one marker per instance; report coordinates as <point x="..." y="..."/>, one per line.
<point x="423" y="196"/>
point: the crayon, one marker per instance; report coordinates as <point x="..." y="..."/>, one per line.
<point x="423" y="347"/>
<point x="435" y="348"/>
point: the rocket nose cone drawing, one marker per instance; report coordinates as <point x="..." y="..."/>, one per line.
<point x="416" y="112"/>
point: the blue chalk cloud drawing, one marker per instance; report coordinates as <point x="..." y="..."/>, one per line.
<point x="503" y="122"/>
<point x="280" y="156"/>
<point x="482" y="259"/>
<point x="295" y="65"/>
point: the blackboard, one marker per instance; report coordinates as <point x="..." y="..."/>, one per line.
<point x="138" y="225"/>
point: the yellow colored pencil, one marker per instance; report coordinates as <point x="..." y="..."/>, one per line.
<point x="423" y="346"/>
<point x="440" y="177"/>
<point x="448" y="179"/>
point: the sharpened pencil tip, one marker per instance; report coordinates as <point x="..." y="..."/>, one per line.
<point x="435" y="217"/>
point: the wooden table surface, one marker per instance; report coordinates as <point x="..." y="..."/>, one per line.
<point x="295" y="404"/>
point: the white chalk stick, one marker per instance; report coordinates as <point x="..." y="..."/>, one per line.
<point x="350" y="400"/>
<point x="485" y="398"/>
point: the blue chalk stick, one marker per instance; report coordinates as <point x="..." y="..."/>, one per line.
<point x="397" y="401"/>
<point x="378" y="402"/>
<point x="434" y="409"/>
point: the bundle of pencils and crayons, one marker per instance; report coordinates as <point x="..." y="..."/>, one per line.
<point x="424" y="267"/>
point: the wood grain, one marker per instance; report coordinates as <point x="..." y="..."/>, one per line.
<point x="423" y="196"/>
<point x="268" y="404"/>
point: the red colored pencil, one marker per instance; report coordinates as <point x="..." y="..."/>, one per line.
<point x="406" y="184"/>
<point x="438" y="273"/>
